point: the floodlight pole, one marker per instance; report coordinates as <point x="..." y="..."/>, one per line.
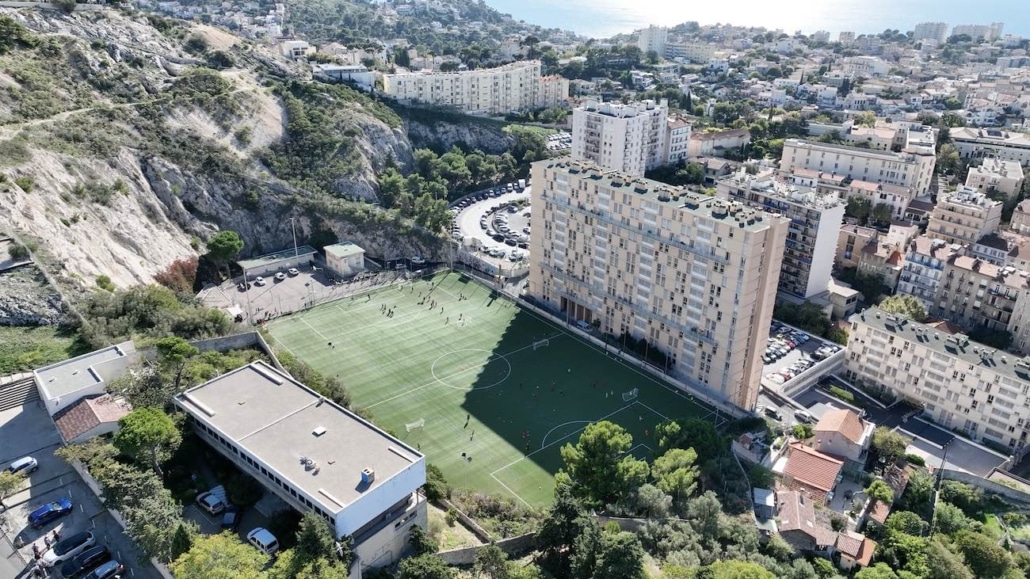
<point x="293" y="223"/>
<point x="246" y="289"/>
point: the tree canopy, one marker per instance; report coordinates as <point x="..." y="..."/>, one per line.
<point x="147" y="434"/>
<point x="906" y="305"/>
<point x="601" y="470"/>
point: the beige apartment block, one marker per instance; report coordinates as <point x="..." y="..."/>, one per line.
<point x="960" y="384"/>
<point x="974" y="143"/>
<point x="695" y="276"/>
<point x="996" y="175"/>
<point x="964" y="216"/>
<point x="517" y="86"/>
<point x="912" y="168"/>
<point x="976" y="294"/>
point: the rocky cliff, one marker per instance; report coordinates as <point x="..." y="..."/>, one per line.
<point x="126" y="140"/>
<point x="442" y="135"/>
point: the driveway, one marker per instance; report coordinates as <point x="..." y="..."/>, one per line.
<point x="29" y="431"/>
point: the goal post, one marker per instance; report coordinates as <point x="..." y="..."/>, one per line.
<point x="541" y="343"/>
<point x="631" y="395"/>
<point x="420" y="423"/>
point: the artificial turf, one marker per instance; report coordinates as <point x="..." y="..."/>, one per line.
<point x="467" y="364"/>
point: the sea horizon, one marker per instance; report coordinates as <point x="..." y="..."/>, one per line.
<point x="606" y="18"/>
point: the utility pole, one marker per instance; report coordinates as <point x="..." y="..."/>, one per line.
<point x="293" y="223"/>
<point x="246" y="289"/>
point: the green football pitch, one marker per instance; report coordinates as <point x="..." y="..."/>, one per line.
<point x="500" y="389"/>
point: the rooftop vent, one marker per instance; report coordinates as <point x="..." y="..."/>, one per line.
<point x="368" y="476"/>
<point x="318" y="431"/>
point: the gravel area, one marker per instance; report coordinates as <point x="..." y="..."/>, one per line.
<point x="27" y="300"/>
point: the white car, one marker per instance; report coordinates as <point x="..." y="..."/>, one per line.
<point x="264" y="540"/>
<point x="417" y="260"/>
<point x="293" y="272"/>
<point x="259" y="280"/>
<point x="210" y="503"/>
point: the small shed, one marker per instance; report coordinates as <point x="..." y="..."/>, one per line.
<point x="345" y="259"/>
<point x="279" y="261"/>
<point x="90" y="416"/>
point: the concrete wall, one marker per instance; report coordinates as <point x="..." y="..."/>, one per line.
<point x="238" y="342"/>
<point x="467" y="521"/>
<point x="511" y="546"/>
<point x="987" y="485"/>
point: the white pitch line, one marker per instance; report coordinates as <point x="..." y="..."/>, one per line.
<point x="653" y="410"/>
<point x="511" y="491"/>
<point x="313" y="329"/>
<point x="449" y="376"/>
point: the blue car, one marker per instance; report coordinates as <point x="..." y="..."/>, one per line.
<point x="49" y="512"/>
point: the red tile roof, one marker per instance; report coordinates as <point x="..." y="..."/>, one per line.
<point x="88" y="413"/>
<point x="856" y="546"/>
<point x="796" y="512"/>
<point x="812" y="467"/>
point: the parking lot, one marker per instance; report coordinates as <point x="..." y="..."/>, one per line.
<point x="480" y="223"/>
<point x="29" y="431"/>
<point x="293" y="293"/>
<point x="791" y="352"/>
<point x="559" y="142"/>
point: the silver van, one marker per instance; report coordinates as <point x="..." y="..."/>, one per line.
<point x="27" y="465"/>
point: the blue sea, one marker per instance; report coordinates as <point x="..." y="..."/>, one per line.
<point x="604" y="18"/>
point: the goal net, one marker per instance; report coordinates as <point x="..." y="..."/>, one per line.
<point x="631" y="395"/>
<point x="541" y="343"/>
<point x="417" y="424"/>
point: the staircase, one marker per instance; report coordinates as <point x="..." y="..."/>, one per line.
<point x="17" y="390"/>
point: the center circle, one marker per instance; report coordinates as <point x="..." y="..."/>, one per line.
<point x="459" y="353"/>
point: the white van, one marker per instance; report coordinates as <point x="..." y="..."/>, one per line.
<point x="264" y="540"/>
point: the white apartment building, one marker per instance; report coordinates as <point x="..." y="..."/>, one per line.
<point x="964" y="216"/>
<point x="493" y="91"/>
<point x="677" y="141"/>
<point x="997" y="175"/>
<point x="974" y="143"/>
<point x="846" y="38"/>
<point x="696" y="52"/>
<point x="621" y="137"/>
<point x="695" y="276"/>
<point x="988" y="32"/>
<point x="923" y="269"/>
<point x="820" y="36"/>
<point x="912" y="168"/>
<point x="653" y="38"/>
<point x="815" y="221"/>
<point x="315" y="456"/>
<point x="960" y="384"/>
<point x="937" y="31"/>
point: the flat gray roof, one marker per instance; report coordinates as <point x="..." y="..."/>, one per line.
<point x="275" y="418"/>
<point x="68" y="376"/>
<point x="954" y="345"/>
<point x="268" y="259"/>
<point x="343" y="250"/>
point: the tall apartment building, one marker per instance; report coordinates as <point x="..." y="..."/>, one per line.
<point x="912" y="168"/>
<point x="653" y="38"/>
<point x="815" y="221"/>
<point x="986" y="32"/>
<point x="695" y="276"/>
<point x="846" y="38"/>
<point x="973" y="144"/>
<point x="518" y="86"/>
<point x="964" y="216"/>
<point x="677" y="141"/>
<point x="696" y="52"/>
<point x="960" y="384"/>
<point x="937" y="31"/>
<point x="621" y="137"/>
<point x="923" y="269"/>
<point x="977" y="294"/>
<point x="996" y="175"/>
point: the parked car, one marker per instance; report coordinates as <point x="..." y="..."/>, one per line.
<point x="773" y="412"/>
<point x="86" y="561"/>
<point x="259" y="281"/>
<point x="264" y="540"/>
<point x="210" y="503"/>
<point x="803" y="416"/>
<point x="279" y="276"/>
<point x="294" y="272"/>
<point x="49" y="512"/>
<point x="25" y="464"/>
<point x="109" y="570"/>
<point x="66" y="549"/>
<point x="231" y="518"/>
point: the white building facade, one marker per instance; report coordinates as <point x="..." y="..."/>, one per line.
<point x="912" y="168"/>
<point x="621" y="137"/>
